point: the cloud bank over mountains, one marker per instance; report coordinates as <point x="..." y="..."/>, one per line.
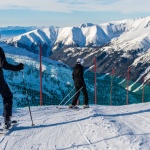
<point x="121" y="6"/>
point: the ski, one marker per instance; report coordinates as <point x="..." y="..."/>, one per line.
<point x="14" y="121"/>
<point x="9" y="130"/>
<point x="76" y="108"/>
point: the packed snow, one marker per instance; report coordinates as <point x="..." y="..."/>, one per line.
<point x="96" y="128"/>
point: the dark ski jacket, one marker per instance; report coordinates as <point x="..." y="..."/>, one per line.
<point x="77" y="75"/>
<point x="5" y="65"/>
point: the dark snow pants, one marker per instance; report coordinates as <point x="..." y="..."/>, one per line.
<point x="85" y="94"/>
<point x="7" y="97"/>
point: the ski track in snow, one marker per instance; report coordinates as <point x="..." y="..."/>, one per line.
<point x="95" y="128"/>
<point x="131" y="131"/>
<point x="82" y="133"/>
<point x="137" y="141"/>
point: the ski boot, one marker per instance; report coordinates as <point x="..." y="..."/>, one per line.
<point x="70" y="106"/>
<point x="7" y="123"/>
<point x="86" y="106"/>
<point x="76" y="107"/>
<point x="73" y="106"/>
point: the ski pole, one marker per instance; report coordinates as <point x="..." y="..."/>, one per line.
<point x="88" y="69"/>
<point x="65" y="98"/>
<point x="27" y="97"/>
<point x="73" y="96"/>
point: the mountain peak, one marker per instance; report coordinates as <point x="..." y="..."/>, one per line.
<point x="86" y="25"/>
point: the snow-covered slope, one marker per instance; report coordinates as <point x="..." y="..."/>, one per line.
<point x="137" y="36"/>
<point x="96" y="128"/>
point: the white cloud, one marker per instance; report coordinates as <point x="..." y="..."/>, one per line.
<point x="125" y="6"/>
<point x="39" y="5"/>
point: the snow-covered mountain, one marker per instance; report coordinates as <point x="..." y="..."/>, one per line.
<point x="116" y="44"/>
<point x="88" y="35"/>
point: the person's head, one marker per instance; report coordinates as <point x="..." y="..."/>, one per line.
<point x="80" y="61"/>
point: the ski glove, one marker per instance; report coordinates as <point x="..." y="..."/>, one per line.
<point x="20" y="66"/>
<point x="84" y="85"/>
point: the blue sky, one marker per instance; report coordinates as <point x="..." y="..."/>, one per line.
<point x="63" y="13"/>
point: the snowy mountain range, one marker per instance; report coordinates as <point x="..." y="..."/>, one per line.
<point x="116" y="44"/>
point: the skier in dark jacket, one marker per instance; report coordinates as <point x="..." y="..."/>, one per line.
<point x="4" y="89"/>
<point x="79" y="84"/>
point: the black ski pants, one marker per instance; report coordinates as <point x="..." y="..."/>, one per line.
<point x="85" y="94"/>
<point x="7" y="98"/>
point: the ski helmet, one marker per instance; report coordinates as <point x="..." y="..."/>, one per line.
<point x="80" y="61"/>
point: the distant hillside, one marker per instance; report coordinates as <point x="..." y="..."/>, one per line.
<point x="12" y="31"/>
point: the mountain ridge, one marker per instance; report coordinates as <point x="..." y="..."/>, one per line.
<point x="116" y="44"/>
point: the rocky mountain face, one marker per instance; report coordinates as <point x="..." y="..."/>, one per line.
<point x="117" y="45"/>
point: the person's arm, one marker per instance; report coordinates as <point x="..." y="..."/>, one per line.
<point x="5" y="65"/>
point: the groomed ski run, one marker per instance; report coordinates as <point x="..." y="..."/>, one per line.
<point x="96" y="128"/>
